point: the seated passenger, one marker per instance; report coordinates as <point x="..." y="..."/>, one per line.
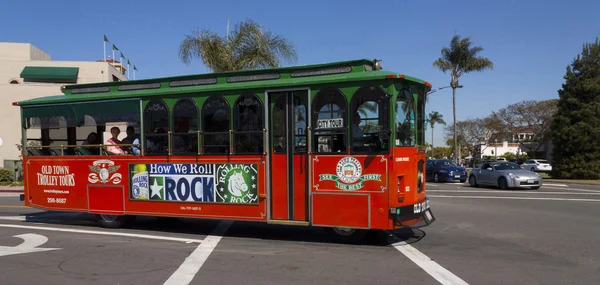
<point x="130" y="139"/>
<point x="112" y="143"/>
<point x="92" y="139"/>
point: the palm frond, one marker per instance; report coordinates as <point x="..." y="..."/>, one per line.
<point x="246" y="47"/>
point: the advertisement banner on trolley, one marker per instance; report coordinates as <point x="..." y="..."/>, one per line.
<point x="207" y="183"/>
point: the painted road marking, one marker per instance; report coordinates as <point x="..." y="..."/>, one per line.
<point x="68" y="230"/>
<point x="432" y="268"/>
<point x="188" y="269"/>
<point x="10" y="194"/>
<point x="511" y="192"/>
<point x="515" y="198"/>
<point x="559" y="185"/>
<point x="30" y="244"/>
<point x="13" y="218"/>
<point x="435" y="185"/>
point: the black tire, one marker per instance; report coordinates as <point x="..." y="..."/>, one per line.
<point x="348" y="235"/>
<point x="436" y="179"/>
<point x="113" y="221"/>
<point x="533" y="169"/>
<point x="473" y="181"/>
<point x="502" y="183"/>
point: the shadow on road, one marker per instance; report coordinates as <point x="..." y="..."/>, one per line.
<point x="239" y="229"/>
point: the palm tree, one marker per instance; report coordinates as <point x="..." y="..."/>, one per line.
<point x="435" y="118"/>
<point x="247" y="46"/>
<point x="460" y="58"/>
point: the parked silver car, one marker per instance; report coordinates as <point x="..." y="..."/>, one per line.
<point x="537" y="165"/>
<point x="504" y="175"/>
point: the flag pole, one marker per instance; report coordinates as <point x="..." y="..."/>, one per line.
<point x="104" y="42"/>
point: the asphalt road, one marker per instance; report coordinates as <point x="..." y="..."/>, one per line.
<point x="481" y="236"/>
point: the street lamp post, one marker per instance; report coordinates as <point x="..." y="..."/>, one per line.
<point x="454" y="111"/>
<point x="454" y="115"/>
<point x="496" y="146"/>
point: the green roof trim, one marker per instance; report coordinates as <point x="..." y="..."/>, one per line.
<point x="50" y="73"/>
<point x="275" y="78"/>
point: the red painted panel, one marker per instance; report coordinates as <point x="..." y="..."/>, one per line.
<point x="350" y="173"/>
<point x="106" y="199"/>
<point x="279" y="189"/>
<point x="56" y="184"/>
<point x="405" y="166"/>
<point x="341" y="210"/>
<point x="65" y="189"/>
<point x="300" y="189"/>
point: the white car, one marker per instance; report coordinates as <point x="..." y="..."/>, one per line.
<point x="538" y="165"/>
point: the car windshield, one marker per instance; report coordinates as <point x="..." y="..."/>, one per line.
<point x="445" y="163"/>
<point x="542" y="161"/>
<point x="506" y="166"/>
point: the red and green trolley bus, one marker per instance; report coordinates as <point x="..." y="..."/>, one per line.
<point x="334" y="145"/>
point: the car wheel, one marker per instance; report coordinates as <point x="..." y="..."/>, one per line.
<point x="533" y="169"/>
<point x="436" y="179"/>
<point x="502" y="183"/>
<point x="348" y="235"/>
<point x="473" y="181"/>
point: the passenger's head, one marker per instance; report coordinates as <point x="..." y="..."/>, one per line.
<point x="115" y="131"/>
<point x="130" y="131"/>
<point x="92" y="138"/>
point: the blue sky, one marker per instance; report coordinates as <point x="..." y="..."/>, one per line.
<point x="530" y="41"/>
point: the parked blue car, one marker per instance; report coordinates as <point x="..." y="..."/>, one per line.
<point x="443" y="170"/>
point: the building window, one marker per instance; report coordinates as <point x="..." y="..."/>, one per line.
<point x="328" y="122"/>
<point x="215" y="126"/>
<point x="185" y="127"/>
<point x="248" y="124"/>
<point x="156" y="127"/>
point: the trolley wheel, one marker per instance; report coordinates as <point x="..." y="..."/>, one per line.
<point x="348" y="235"/>
<point x="113" y="221"/>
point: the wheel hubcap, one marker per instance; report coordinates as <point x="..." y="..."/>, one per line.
<point x="344" y="231"/>
<point x="109" y="218"/>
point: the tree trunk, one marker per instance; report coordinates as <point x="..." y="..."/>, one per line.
<point x="432" y="151"/>
<point x="454" y="114"/>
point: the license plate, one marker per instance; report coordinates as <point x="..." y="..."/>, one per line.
<point x="456" y="176"/>
<point x="530" y="181"/>
<point x="428" y="215"/>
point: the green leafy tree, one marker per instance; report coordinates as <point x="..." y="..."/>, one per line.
<point x="576" y="126"/>
<point x="435" y="118"/>
<point x="459" y="58"/>
<point x="247" y="46"/>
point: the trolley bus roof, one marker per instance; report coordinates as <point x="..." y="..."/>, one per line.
<point x="335" y="72"/>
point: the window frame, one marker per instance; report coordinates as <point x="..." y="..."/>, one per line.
<point x="383" y="111"/>
<point x="148" y="125"/>
<point x="406" y="94"/>
<point x="237" y="124"/>
<point x="203" y="133"/>
<point x="332" y="131"/>
<point x="174" y="133"/>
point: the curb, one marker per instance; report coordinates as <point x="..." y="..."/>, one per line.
<point x="571" y="182"/>
<point x="11" y="191"/>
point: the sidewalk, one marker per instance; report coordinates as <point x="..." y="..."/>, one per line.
<point x="11" y="189"/>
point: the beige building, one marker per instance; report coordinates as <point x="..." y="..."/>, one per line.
<point x="27" y="72"/>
